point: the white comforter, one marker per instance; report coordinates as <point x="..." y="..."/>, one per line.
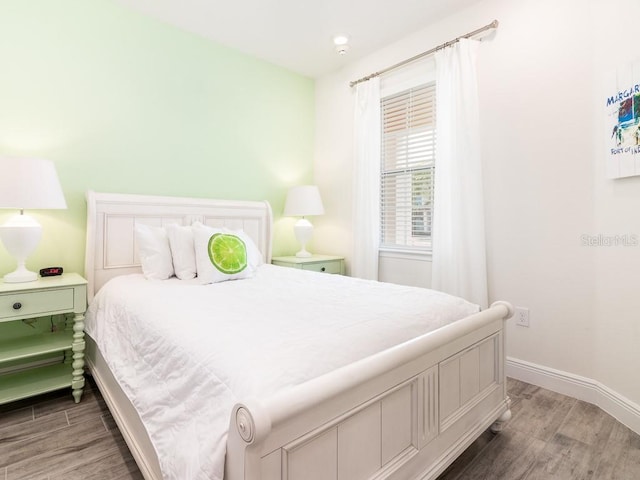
<point x="185" y="353"/>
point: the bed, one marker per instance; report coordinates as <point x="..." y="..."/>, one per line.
<point x="404" y="410"/>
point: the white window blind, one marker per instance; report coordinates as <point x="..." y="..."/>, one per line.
<point x="408" y="161"/>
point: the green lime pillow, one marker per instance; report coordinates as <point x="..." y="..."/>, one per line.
<point x="227" y="252"/>
<point x="223" y="254"/>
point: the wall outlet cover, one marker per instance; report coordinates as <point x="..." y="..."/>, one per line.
<point x="522" y="316"/>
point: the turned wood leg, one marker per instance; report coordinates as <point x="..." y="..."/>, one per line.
<point x="68" y="327"/>
<point x="498" y="425"/>
<point x="77" y="347"/>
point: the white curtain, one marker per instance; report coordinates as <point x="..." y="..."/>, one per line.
<point x="459" y="256"/>
<point x="366" y="181"/>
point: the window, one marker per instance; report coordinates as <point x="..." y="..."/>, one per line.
<point x="407" y="170"/>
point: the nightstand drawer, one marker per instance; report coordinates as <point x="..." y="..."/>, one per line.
<point x="326" y="267"/>
<point x="46" y="302"/>
<point x="315" y="263"/>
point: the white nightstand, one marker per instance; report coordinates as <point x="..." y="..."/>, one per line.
<point x="66" y="294"/>
<point x="317" y="263"/>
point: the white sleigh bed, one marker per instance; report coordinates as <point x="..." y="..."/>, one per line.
<point x="404" y="413"/>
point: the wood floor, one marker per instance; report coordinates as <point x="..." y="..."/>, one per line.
<point x="550" y="437"/>
<point x="50" y="437"/>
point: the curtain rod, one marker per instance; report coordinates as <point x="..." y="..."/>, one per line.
<point x="490" y="26"/>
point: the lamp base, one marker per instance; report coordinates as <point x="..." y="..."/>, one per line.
<point x="20" y="236"/>
<point x="19" y="275"/>
<point x="304" y="231"/>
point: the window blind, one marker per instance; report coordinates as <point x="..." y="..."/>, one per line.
<point x="408" y="162"/>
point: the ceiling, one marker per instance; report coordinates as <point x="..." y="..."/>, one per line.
<point x="297" y="34"/>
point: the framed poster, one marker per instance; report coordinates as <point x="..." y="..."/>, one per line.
<point x="622" y="121"/>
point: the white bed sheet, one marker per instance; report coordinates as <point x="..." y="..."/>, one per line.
<point x="185" y="353"/>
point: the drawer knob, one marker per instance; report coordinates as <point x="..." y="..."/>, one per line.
<point x="17" y="306"/>
<point x="323" y="269"/>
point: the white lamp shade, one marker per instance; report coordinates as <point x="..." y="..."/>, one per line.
<point x="30" y="183"/>
<point x="302" y="201"/>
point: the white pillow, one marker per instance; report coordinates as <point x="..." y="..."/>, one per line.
<point x="154" y="252"/>
<point x="232" y="254"/>
<point x="182" y="251"/>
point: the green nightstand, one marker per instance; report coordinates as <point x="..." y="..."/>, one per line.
<point x="66" y="294"/>
<point x="317" y="263"/>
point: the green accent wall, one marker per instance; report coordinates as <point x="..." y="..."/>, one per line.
<point x="124" y="103"/>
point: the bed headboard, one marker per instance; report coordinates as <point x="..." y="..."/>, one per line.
<point x="111" y="218"/>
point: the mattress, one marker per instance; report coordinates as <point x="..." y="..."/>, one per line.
<point x="185" y="354"/>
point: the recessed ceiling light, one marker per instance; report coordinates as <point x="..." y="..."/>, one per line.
<point x="340" y="40"/>
<point x="342" y="44"/>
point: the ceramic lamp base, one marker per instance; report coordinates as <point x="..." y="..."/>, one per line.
<point x="304" y="231"/>
<point x="19" y="275"/>
<point x="20" y="236"/>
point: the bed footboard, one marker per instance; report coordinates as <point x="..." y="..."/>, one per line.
<point x="404" y="413"/>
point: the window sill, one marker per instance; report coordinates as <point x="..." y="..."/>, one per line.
<point x="402" y="254"/>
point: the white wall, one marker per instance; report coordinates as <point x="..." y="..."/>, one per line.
<point x="544" y="178"/>
<point x="617" y="211"/>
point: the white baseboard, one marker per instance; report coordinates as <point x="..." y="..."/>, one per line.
<point x="582" y="388"/>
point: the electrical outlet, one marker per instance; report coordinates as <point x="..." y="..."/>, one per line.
<point x="522" y="316"/>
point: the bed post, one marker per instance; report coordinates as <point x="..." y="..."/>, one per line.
<point x="498" y="425"/>
<point x="249" y="425"/>
<point x="89" y="259"/>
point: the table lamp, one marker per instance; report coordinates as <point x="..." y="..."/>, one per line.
<point x="26" y="183"/>
<point x="303" y="201"/>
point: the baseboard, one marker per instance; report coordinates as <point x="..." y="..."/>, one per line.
<point x="582" y="388"/>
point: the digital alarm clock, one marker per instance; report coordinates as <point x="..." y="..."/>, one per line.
<point x="51" y="271"/>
